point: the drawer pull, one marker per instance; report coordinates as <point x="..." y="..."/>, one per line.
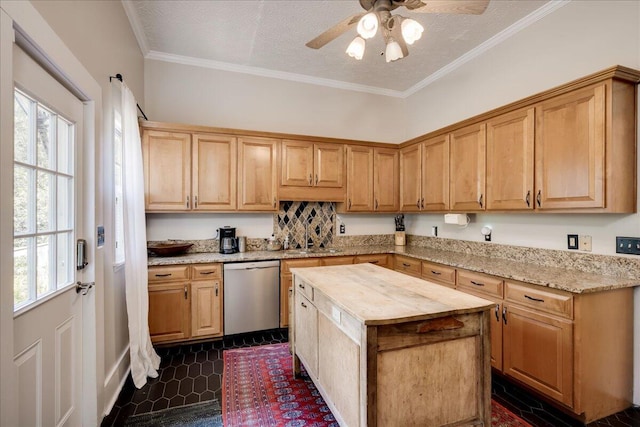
<point x="310" y="179"/>
<point x="163" y="275"/>
<point x="185" y="292"/>
<point x="404" y="264"/>
<point x="373" y="262"/>
<point x="477" y="283"/>
<point x="497" y="312"/>
<point x="539" y="198"/>
<point x="216" y="289"/>
<point x="206" y="273"/>
<point x="528" y="198"/>
<point x="533" y="299"/>
<point x="504" y="314"/>
<point x="437" y="273"/>
<point x="300" y="285"/>
<point x="303" y="304"/>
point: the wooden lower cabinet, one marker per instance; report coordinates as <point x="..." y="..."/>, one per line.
<point x="183" y="305"/>
<point x="407" y="265"/>
<point x="169" y="316"/>
<point x="285" y="284"/>
<point x="306" y="330"/>
<point x="438" y="273"/>
<point x="539" y="352"/>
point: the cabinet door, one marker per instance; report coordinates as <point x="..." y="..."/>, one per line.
<point x="538" y="350"/>
<point x="214" y="172"/>
<point x="297" y="163"/>
<point x="306" y="333"/>
<point x="169" y="311"/>
<point x="467" y="168"/>
<point x="378" y="259"/>
<point x="435" y="174"/>
<point x="510" y="161"/>
<point x="285" y="290"/>
<point x="167" y="167"/>
<point x="206" y="308"/>
<point x="359" y="179"/>
<point x="410" y="176"/>
<point x="329" y="165"/>
<point x="257" y="174"/>
<point x="386" y="180"/>
<point x="570" y="138"/>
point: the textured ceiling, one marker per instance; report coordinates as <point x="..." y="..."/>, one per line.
<point x="271" y="35"/>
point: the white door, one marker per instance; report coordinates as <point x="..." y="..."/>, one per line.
<point x="48" y="319"/>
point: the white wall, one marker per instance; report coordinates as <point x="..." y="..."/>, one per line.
<point x="100" y="37"/>
<point x="203" y="96"/>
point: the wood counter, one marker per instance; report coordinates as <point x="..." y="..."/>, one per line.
<point x="387" y="349"/>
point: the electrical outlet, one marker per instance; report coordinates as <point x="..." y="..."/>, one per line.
<point x="584" y="243"/>
<point x="342" y="229"/>
<point x="572" y="241"/>
<point x="434" y="231"/>
<point x="628" y="245"/>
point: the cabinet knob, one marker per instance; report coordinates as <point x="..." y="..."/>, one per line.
<point x="316" y="179"/>
<point x="497" y="312"/>
<point x="418" y="204"/>
<point x="349" y="203"/>
<point x="376" y="208"/>
<point x="480" y="200"/>
<point x="187" y="202"/>
<point x="422" y="203"/>
<point x="195" y="202"/>
<point x="504" y="314"/>
<point x="528" y="198"/>
<point x="274" y="202"/>
<point x="185" y="292"/>
<point x="539" y="198"/>
<point x="310" y="179"/>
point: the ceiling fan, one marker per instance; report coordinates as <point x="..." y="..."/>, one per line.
<point x="398" y="31"/>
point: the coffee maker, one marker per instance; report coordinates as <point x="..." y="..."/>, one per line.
<point x="228" y="240"/>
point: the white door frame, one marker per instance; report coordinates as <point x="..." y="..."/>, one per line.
<point x="22" y="15"/>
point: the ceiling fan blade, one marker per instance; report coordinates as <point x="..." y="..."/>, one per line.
<point x="471" y="7"/>
<point x="334" y="32"/>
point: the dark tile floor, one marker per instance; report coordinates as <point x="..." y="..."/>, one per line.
<point x="193" y="373"/>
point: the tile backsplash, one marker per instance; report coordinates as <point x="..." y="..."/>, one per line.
<point x="294" y="218"/>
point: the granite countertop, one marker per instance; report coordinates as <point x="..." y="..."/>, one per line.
<point x="378" y="296"/>
<point x="553" y="277"/>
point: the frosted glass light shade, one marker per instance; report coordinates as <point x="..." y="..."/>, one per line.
<point x="356" y="48"/>
<point x="368" y="25"/>
<point x="411" y="30"/>
<point x="393" y="51"/>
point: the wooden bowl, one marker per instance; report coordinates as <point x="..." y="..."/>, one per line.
<point x="169" y="249"/>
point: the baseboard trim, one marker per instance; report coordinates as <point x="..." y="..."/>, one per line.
<point x="118" y="366"/>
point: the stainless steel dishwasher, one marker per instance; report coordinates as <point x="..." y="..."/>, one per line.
<point x="251" y="296"/>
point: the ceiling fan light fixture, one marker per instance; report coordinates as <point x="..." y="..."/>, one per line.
<point x="393" y="51"/>
<point x="411" y="30"/>
<point x="356" y="48"/>
<point x="368" y="25"/>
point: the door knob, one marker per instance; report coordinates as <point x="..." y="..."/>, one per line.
<point x="83" y="288"/>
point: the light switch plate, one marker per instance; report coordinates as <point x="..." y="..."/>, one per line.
<point x="572" y="241"/>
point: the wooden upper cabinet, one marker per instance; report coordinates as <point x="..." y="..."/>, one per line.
<point x="167" y="170"/>
<point x="297" y="163"/>
<point x="570" y="150"/>
<point x="410" y="177"/>
<point x="510" y="140"/>
<point x="257" y="174"/>
<point x="328" y="165"/>
<point x="435" y="174"/>
<point x="467" y="168"/>
<point x="386" y="180"/>
<point x="214" y="172"/>
<point x="359" y="179"/>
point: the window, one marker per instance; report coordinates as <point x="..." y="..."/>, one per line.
<point x="117" y="184"/>
<point x="44" y="201"/>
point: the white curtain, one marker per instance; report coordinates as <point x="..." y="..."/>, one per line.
<point x="144" y="360"/>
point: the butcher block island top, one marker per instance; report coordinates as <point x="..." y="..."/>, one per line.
<point x="387" y="349"/>
<point x="379" y="296"/>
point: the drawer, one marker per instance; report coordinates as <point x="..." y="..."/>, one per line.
<point x="540" y="298"/>
<point x="378" y="259"/>
<point x="286" y="266"/>
<point x="408" y="265"/>
<point x="337" y="260"/>
<point x="482" y="283"/>
<point x="207" y="271"/>
<point x="439" y="273"/>
<point x="168" y="273"/>
<point x="304" y="288"/>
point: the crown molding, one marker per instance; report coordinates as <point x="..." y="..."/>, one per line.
<point x="503" y="35"/>
<point x="136" y="26"/>
<point x="263" y="72"/>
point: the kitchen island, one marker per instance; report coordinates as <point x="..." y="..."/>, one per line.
<point x="387" y="349"/>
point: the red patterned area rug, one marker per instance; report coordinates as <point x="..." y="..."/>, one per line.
<point x="259" y="390"/>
